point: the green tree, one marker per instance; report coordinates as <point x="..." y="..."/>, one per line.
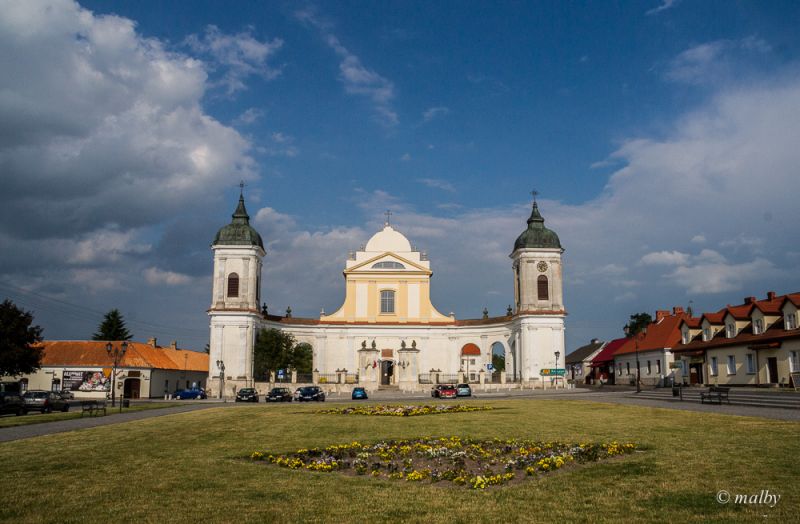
<point x="273" y="351"/>
<point x="498" y="362"/>
<point x="637" y="322"/>
<point x="302" y="357"/>
<point x="18" y="355"/>
<point x="112" y="327"/>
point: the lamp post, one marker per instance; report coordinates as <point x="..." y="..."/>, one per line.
<point x="557" y="354"/>
<point x="221" y="366"/>
<point x="116" y="353"/>
<point x="643" y="332"/>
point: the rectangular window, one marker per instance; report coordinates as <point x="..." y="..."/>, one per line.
<point x="649" y="368"/>
<point x="658" y="366"/>
<point x="619" y="369"/>
<point x="751" y="363"/>
<point x="758" y="326"/>
<point x="731" y="365"/>
<point x="713" y="366"/>
<point x="628" y="365"/>
<point x="387" y="301"/>
<point x="707" y="334"/>
<point x="730" y="330"/>
<point x="791" y="321"/>
<point x="794" y="361"/>
<point x="685" y="337"/>
<point x="166" y="385"/>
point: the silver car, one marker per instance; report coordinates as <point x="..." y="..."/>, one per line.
<point x="44" y="401"/>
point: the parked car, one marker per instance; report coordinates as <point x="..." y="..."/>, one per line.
<point x="67" y="394"/>
<point x="444" y="391"/>
<point x="279" y="395"/>
<point x="359" y="394"/>
<point x="463" y="390"/>
<point x="247" y="395"/>
<point x="44" y="401"/>
<point x="184" y="394"/>
<point x="296" y="394"/>
<point x="309" y="393"/>
<point x="12" y="402"/>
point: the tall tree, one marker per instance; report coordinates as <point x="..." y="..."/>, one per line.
<point x="272" y="351"/>
<point x="112" y="327"/>
<point x="637" y="322"/>
<point x="18" y="355"/>
<point x="302" y="357"/>
<point x="498" y="362"/>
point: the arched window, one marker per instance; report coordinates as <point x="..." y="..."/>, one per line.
<point x="388" y="265"/>
<point x="233" y="285"/>
<point x="542" y="284"/>
<point x="387" y="301"/>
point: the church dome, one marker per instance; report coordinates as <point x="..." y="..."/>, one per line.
<point x="388" y="239"/>
<point x="537" y="236"/>
<point x="239" y="232"/>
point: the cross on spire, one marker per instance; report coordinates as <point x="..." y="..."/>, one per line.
<point x="241" y="188"/>
<point x="534" y="193"/>
<point x="388" y="216"/>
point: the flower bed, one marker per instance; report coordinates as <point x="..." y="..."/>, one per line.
<point x="476" y="464"/>
<point x="403" y="411"/>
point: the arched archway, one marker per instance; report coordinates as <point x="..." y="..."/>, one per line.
<point x="471" y="361"/>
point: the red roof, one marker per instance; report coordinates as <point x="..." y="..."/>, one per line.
<point x="693" y="322"/>
<point x="794" y="298"/>
<point x="714" y="318"/>
<point x="665" y="333"/>
<point x="92" y="353"/>
<point x="608" y="352"/>
<point x="740" y="312"/>
<point x="470" y="349"/>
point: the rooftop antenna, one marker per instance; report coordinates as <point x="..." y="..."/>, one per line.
<point x="388" y="217"/>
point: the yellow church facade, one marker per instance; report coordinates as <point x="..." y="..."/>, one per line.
<point x="387" y="332"/>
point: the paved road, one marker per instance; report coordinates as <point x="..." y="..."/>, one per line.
<point x="614" y="397"/>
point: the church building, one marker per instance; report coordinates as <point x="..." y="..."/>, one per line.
<point x="387" y="333"/>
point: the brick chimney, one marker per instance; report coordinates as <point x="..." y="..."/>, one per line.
<point x="174" y="344"/>
<point x="749" y="300"/>
<point x="152" y="342"/>
<point x="661" y="313"/>
<point x="770" y="295"/>
<point x="677" y="310"/>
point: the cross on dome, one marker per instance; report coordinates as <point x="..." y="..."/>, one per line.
<point x="388" y="216"/>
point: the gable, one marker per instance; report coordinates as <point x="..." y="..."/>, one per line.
<point x="389" y="259"/>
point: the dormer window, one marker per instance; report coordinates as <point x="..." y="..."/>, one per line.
<point x="685" y="336"/>
<point x="791" y="321"/>
<point x="758" y="326"/>
<point x="730" y="330"/>
<point x="706" y="334"/>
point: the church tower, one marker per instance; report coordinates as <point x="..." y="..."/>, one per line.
<point x="538" y="297"/>
<point x="236" y="294"/>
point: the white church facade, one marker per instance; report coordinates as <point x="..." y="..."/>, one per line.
<point x="387" y="333"/>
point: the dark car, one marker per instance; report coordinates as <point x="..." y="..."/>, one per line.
<point x="309" y="393"/>
<point x="247" y="395"/>
<point x="463" y="390"/>
<point x="279" y="395"/>
<point x="184" y="394"/>
<point x="12" y="402"/>
<point x="44" y="401"/>
<point x="359" y="394"/>
<point x="444" y="391"/>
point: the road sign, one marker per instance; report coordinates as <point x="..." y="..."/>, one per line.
<point x="553" y="372"/>
<point x="489" y="367"/>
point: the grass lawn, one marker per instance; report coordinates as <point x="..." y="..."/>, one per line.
<point x="74" y="412"/>
<point x="190" y="468"/>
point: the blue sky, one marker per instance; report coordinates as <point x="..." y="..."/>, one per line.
<point x="660" y="136"/>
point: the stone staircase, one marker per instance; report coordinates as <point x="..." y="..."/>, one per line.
<point x="738" y="397"/>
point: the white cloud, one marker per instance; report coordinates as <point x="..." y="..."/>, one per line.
<point x="156" y="276"/>
<point x="698" y="239"/>
<point x="437" y="183"/>
<point x="249" y="116"/>
<point x="665" y="258"/>
<point x="433" y="112"/>
<point x="713" y="61"/>
<point x="356" y="78"/>
<point x="239" y="55"/>
<point x="107" y="245"/>
<point x="720" y="277"/>
<point x="665" y="4"/>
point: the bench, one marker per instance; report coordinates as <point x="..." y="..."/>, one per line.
<point x="715" y="393"/>
<point x="93" y="407"/>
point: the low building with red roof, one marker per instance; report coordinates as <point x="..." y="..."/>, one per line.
<point x="756" y="343"/>
<point x="603" y="363"/>
<point x="146" y="370"/>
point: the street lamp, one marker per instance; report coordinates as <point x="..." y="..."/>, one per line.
<point x="557" y="354"/>
<point x="221" y="366"/>
<point x="643" y="332"/>
<point x="116" y="353"/>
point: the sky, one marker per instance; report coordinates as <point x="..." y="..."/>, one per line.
<point x="661" y="136"/>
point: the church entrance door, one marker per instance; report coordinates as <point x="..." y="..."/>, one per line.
<point x="387" y="372"/>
